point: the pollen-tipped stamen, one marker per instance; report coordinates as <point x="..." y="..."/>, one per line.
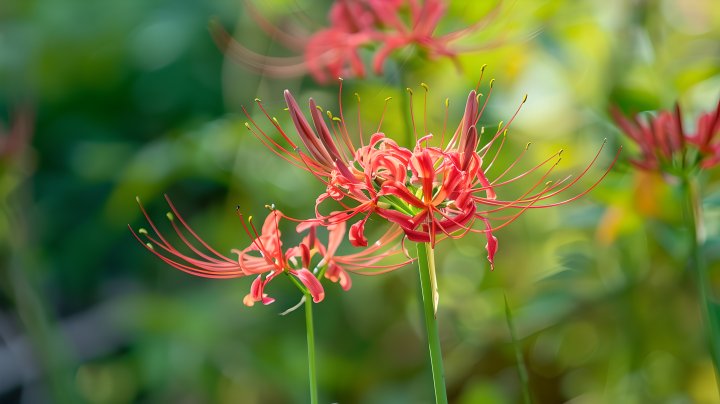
<point x="383" y="113"/>
<point x="447" y="107"/>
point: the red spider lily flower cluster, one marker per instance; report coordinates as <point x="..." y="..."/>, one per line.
<point x="429" y="192"/>
<point x="381" y="24"/>
<point x="273" y="260"/>
<point x="664" y="144"/>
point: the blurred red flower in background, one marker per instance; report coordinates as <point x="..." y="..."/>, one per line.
<point x="707" y="138"/>
<point x="382" y="25"/>
<point x="659" y="138"/>
<point x="663" y="143"/>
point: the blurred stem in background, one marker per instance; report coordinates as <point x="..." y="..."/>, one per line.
<point x="708" y="309"/>
<point x="16" y="172"/>
<point x="426" y="265"/>
<point x="522" y="370"/>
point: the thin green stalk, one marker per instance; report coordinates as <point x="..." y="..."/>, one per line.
<point x="522" y="370"/>
<point x="426" y="263"/>
<point x="311" y="349"/>
<point x="709" y="313"/>
<point x="322" y="272"/>
<point x="310" y="339"/>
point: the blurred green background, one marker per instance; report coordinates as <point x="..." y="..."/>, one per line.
<point x="132" y="98"/>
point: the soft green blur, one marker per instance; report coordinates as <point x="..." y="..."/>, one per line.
<point x="132" y="98"/>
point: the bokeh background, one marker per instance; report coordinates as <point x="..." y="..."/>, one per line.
<point x="105" y="101"/>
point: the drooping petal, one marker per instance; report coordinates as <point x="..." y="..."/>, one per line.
<point x="336" y="273"/>
<point x="256" y="289"/>
<point x="256" y="292"/>
<point x="492" y="243"/>
<point x="357" y="238"/>
<point x="311" y="282"/>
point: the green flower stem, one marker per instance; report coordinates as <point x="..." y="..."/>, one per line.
<point x="311" y="349"/>
<point x="310" y="339"/>
<point x="322" y="272"/>
<point x="694" y="213"/>
<point x="426" y="262"/>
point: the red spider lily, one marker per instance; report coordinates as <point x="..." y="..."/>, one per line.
<point x="707" y="139"/>
<point x="272" y="259"/>
<point x="442" y="194"/>
<point x="660" y="139"/>
<point x="664" y="144"/>
<point x="218" y="266"/>
<point x="385" y="25"/>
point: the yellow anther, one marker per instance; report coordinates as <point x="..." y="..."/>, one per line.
<point x="142" y="231"/>
<point x="270" y="207"/>
<point x="481" y="94"/>
<point x="477" y="99"/>
<point x="276" y="121"/>
<point x="340" y="78"/>
<point x="137" y="198"/>
<point x="336" y="119"/>
<point x="501" y="122"/>
<point x="247" y="125"/>
<point x="249" y="218"/>
<point x="329" y="115"/>
<point x="425" y="86"/>
<point x="560" y="152"/>
<point x="149" y="246"/>
<point x="409" y="90"/>
<point x="447" y="102"/>
<point x="491" y="82"/>
<point x="505" y="133"/>
<point x="287" y="109"/>
<point x="170" y="216"/>
<point x="482" y="69"/>
<point x="318" y="107"/>
<point x="257" y="100"/>
<point x="525" y="99"/>
<point x="357" y="95"/>
<point x="527" y="145"/>
<point x="548" y="183"/>
<point x="482" y="130"/>
<point x="388" y="99"/>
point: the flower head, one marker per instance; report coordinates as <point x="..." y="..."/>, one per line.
<point x="380" y="24"/>
<point x="430" y="192"/>
<point x="665" y="146"/>
<point x="660" y="139"/>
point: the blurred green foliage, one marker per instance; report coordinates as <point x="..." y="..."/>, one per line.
<point x="132" y="98"/>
